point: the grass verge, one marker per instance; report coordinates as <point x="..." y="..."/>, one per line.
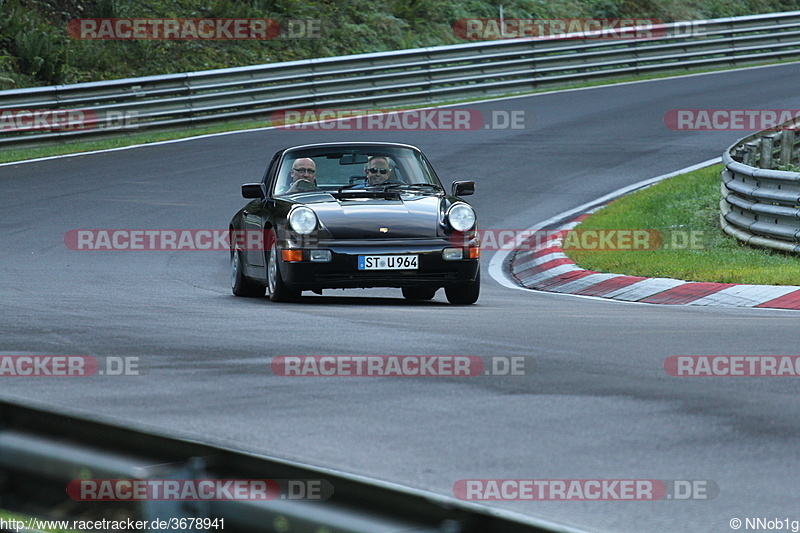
<point x="684" y="210"/>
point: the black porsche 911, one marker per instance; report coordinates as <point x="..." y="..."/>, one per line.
<point x="350" y="215"/>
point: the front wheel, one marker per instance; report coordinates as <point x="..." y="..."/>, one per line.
<point x="464" y="293"/>
<point x="278" y="291"/>
<point x="240" y="285"/>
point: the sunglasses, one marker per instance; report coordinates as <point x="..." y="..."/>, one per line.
<point x="308" y="170"/>
<point x="377" y="170"/>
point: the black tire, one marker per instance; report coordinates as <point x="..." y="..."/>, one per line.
<point x="418" y="293"/>
<point x="464" y="293"/>
<point x="278" y="291"/>
<point x="240" y="285"/>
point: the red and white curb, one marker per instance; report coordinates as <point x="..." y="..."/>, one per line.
<point x="548" y="268"/>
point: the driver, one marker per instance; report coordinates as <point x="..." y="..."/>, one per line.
<point x="303" y="174"/>
<point x="379" y="169"/>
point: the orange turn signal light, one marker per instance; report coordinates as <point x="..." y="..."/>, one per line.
<point x="292" y="256"/>
<point x="474" y="252"/>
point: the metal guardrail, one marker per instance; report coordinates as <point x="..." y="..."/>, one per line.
<point x="42" y="452"/>
<point x="393" y="79"/>
<point x="760" y="205"/>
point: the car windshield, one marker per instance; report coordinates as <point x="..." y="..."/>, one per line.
<point x="353" y="167"/>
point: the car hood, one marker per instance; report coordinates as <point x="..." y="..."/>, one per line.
<point x="406" y="216"/>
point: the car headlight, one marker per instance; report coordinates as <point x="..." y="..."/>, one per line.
<point x="303" y="220"/>
<point x="461" y="216"/>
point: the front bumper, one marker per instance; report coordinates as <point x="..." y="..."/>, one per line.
<point x="341" y="272"/>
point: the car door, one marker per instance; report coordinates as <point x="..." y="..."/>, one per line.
<point x="255" y="218"/>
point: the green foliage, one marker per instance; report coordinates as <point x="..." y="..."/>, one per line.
<point x="40" y="55"/>
<point x="37" y="53"/>
<point x="606" y="8"/>
<point x="106" y="9"/>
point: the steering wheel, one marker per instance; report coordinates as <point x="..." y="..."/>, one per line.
<point x="302" y="185"/>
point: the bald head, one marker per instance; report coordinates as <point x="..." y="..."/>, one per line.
<point x="303" y="169"/>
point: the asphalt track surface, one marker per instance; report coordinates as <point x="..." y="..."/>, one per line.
<point x="599" y="404"/>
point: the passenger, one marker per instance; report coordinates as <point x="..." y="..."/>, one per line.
<point x="379" y="169"/>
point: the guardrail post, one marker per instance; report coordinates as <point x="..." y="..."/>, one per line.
<point x="749" y="156"/>
<point x="787" y="146"/>
<point x="729" y="36"/>
<point x="765" y="160"/>
<point x="429" y="78"/>
<point x="152" y="510"/>
<point x="187" y="82"/>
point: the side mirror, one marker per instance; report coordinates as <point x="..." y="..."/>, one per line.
<point x="462" y="188"/>
<point x="253" y="190"/>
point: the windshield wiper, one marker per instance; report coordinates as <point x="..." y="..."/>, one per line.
<point x="412" y="186"/>
<point x="352" y="186"/>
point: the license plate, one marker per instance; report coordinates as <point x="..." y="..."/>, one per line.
<point x="387" y="262"/>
